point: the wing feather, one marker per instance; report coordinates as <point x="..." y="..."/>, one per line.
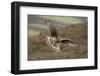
<point x="66" y="41"/>
<point x="52" y="30"/>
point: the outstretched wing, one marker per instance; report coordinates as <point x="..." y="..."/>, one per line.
<point x="67" y="41"/>
<point x="52" y="30"/>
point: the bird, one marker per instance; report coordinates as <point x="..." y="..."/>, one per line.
<point x="54" y="41"/>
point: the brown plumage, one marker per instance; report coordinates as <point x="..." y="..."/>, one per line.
<point x="54" y="40"/>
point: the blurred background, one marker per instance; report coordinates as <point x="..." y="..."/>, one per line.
<point x="71" y="27"/>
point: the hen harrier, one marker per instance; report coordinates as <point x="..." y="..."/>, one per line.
<point x="53" y="40"/>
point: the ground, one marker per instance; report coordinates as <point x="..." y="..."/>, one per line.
<point x="38" y="49"/>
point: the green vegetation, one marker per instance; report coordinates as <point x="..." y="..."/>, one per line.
<point x="32" y="32"/>
<point x="68" y="20"/>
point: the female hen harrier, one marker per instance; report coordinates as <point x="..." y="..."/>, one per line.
<point x="53" y="40"/>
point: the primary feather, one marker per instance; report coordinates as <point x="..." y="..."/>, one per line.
<point x="52" y="30"/>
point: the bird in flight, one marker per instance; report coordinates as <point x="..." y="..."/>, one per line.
<point x="54" y="41"/>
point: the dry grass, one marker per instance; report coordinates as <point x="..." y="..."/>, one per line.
<point x="38" y="49"/>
